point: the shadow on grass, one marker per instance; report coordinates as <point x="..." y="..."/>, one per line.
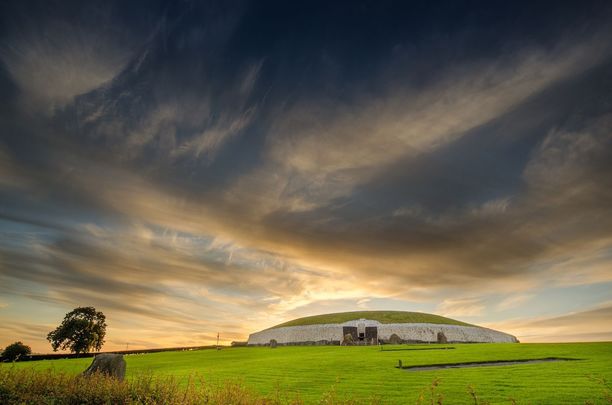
<point x="415" y="348"/>
<point x="483" y="364"/>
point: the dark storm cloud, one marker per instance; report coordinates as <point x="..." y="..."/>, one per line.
<point x="476" y="190"/>
<point x="265" y="157"/>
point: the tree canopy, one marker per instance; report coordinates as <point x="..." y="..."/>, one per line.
<point x="82" y="330"/>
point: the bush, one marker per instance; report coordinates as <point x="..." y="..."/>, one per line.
<point x="16" y="350"/>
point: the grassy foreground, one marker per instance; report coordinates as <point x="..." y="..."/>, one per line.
<point x="28" y="386"/>
<point x="365" y="374"/>
<point x="380" y="316"/>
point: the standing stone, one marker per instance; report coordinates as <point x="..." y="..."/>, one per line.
<point x="273" y="344"/>
<point x="348" y="340"/>
<point x="395" y="340"/>
<point x="110" y="364"/>
<point x="442" y="338"/>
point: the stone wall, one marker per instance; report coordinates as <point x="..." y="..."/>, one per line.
<point x="298" y="334"/>
<point x="409" y="332"/>
<point x="428" y="332"/>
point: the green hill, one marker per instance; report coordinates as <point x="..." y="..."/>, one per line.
<point x="380" y="316"/>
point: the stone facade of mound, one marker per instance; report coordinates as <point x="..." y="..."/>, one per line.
<point x="408" y="332"/>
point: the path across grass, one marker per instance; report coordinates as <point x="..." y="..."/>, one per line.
<point x="365" y="371"/>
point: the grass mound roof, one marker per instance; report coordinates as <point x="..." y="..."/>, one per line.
<point x="380" y="316"/>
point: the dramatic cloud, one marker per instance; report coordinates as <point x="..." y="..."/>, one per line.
<point x="327" y="148"/>
<point x="53" y="56"/>
<point x="201" y="168"/>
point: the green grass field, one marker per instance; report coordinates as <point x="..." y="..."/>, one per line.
<point x="380" y="316"/>
<point x="364" y="372"/>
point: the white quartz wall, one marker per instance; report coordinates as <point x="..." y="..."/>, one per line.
<point x="296" y="334"/>
<point x="428" y="332"/>
<point x="425" y="332"/>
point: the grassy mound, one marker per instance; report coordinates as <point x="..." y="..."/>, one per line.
<point x="380" y="316"/>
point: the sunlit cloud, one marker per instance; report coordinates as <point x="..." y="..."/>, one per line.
<point x="461" y="307"/>
<point x="589" y="325"/>
<point x="513" y="301"/>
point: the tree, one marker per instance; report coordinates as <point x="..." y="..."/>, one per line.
<point x="82" y="330"/>
<point x="15" y="351"/>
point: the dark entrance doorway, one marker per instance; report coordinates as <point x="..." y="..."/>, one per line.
<point x="371" y="333"/>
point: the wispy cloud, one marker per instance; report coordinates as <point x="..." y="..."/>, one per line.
<point x="461" y="307"/>
<point x="326" y="148"/>
<point x="513" y="301"/>
<point x="589" y="325"/>
<point x="53" y="58"/>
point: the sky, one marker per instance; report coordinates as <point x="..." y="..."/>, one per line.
<point x="192" y="168"/>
